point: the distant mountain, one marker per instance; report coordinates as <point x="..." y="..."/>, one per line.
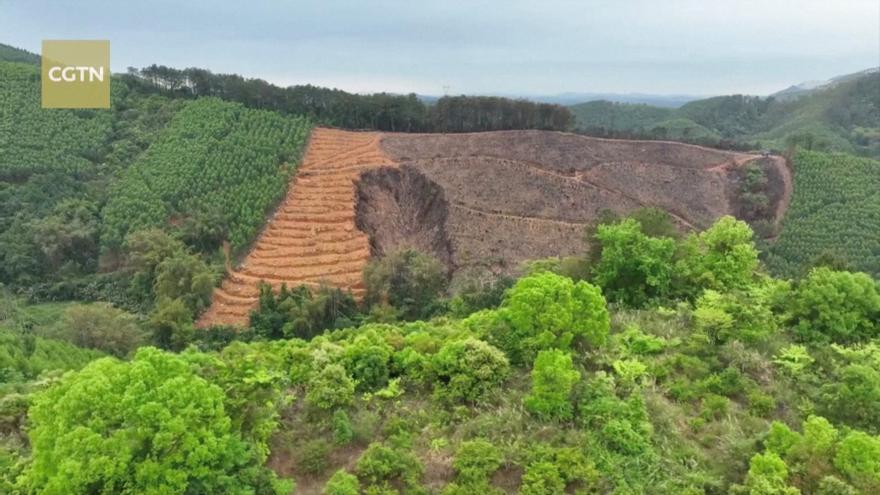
<point x="841" y="114"/>
<point x="13" y="54"/>
<point x="804" y="88"/>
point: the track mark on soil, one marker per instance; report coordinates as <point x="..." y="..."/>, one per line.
<point x="311" y="238"/>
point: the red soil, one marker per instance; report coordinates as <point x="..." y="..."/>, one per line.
<point x="312" y="238"/>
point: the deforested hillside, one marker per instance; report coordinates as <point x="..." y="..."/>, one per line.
<point x="311" y="239"/>
<point x="506" y="197"/>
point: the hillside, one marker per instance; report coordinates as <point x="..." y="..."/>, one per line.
<point x="839" y="117"/>
<point x="486" y="201"/>
<point x="835" y="214"/>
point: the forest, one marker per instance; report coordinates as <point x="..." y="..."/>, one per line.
<point x="380" y="111"/>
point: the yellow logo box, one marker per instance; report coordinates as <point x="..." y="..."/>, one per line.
<point x="76" y="74"/>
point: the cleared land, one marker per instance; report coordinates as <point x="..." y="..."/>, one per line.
<point x="504" y="197"/>
<point x="482" y="200"/>
<point x="311" y="239"/>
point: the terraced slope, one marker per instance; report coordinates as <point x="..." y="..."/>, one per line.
<point x="312" y="237"/>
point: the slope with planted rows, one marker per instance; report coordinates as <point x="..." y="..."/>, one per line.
<point x="311" y="239"/>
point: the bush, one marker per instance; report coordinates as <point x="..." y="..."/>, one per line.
<point x="476" y="460"/>
<point x="367" y="358"/>
<point x="468" y="369"/>
<point x="342" y="432"/>
<point x="103" y="327"/>
<point x="542" y="478"/>
<point x="410" y="281"/>
<point x="547" y="311"/>
<point x="302" y="313"/>
<point x="553" y="377"/>
<point x="342" y="483"/>
<point x="145" y="426"/>
<point x="633" y="268"/>
<point x="312" y="456"/>
<point x="834" y="306"/>
<point x="330" y="388"/>
<point x="380" y="464"/>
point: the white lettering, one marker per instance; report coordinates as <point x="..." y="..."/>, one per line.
<point x="74" y="74"/>
<point x="52" y="74"/>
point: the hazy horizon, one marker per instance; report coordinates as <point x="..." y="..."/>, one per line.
<point x="515" y="48"/>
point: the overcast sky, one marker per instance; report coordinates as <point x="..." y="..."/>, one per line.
<point x="697" y="47"/>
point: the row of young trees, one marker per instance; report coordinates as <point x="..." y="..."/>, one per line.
<point x="834" y="212"/>
<point x="215" y="170"/>
<point x="380" y="111"/>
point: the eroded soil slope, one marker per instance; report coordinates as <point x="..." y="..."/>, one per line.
<point x="516" y="195"/>
<point x="311" y="238"/>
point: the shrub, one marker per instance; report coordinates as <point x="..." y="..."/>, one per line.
<point x="380" y="464"/>
<point x="103" y="327"/>
<point x="312" y="456"/>
<point x="633" y="268"/>
<point x="342" y="432"/>
<point x="330" y="388"/>
<point x="542" y="478"/>
<point x="468" y="369"/>
<point x="342" y="483"/>
<point x="834" y="306"/>
<point x="367" y="358"/>
<point x="548" y="311"/>
<point x="553" y="377"/>
<point x="476" y="460"/>
<point x="410" y="281"/>
<point x="768" y="475"/>
<point x="146" y="426"/>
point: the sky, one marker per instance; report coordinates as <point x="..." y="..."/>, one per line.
<point x="535" y="47"/>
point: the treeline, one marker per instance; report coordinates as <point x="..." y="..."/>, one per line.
<point x="334" y="107"/>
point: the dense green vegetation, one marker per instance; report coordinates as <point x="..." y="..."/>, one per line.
<point x="217" y="166"/>
<point x="55" y="168"/>
<point x="845" y="117"/>
<point x="381" y="111"/>
<point x="834" y="216"/>
<point x="673" y="365"/>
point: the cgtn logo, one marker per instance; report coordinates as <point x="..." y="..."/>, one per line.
<point x="75" y="74"/>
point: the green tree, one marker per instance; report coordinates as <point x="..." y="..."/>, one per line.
<point x="147" y="426"/>
<point x="553" y="377"/>
<point x="768" y="475"/>
<point x="185" y="277"/>
<point x="858" y="457"/>
<point x="103" y="327"/>
<point x="410" y="281"/>
<point x="548" y="311"/>
<point x="468" y="369"/>
<point x="342" y="483"/>
<point x="330" y="388"/>
<point x="723" y="257"/>
<point x="835" y="306"/>
<point x="633" y="268"/>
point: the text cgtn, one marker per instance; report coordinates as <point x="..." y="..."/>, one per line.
<point x="76" y="74"/>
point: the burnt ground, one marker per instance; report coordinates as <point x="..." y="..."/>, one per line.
<point x="496" y="199"/>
